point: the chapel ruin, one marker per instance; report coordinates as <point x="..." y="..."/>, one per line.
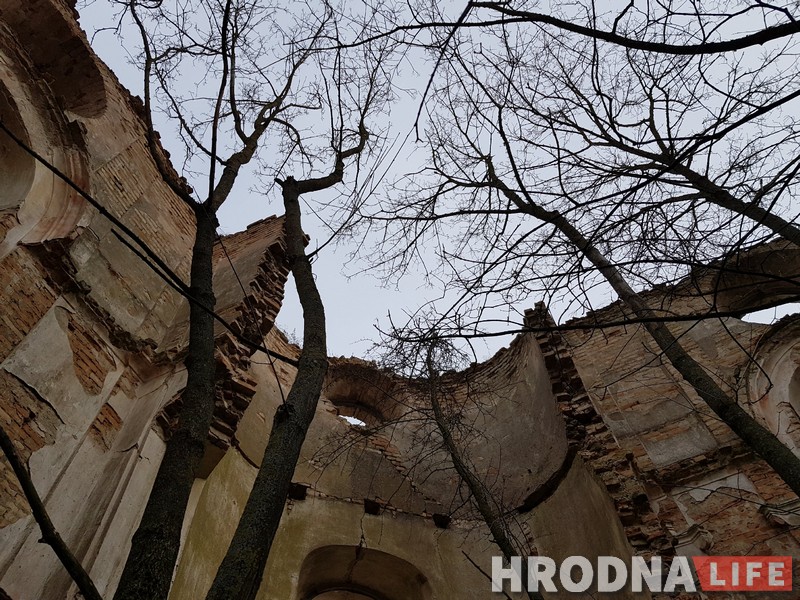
<point x="597" y="446"/>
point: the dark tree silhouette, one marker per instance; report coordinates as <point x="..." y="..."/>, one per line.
<point x="558" y="165"/>
<point x="257" y="97"/>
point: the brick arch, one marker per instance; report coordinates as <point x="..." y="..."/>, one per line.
<point x="36" y="205"/>
<point x="357" y="389"/>
<point x="17" y="167"/>
<point x="65" y="60"/>
<point x="357" y="573"/>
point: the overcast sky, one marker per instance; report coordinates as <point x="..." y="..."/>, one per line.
<point x="355" y="303"/>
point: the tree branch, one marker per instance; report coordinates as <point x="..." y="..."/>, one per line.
<point x="754" y="39"/>
<point x="49" y="534"/>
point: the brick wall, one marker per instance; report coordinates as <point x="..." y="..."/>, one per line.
<point x="25" y="297"/>
<point x="105" y="427"/>
<point x="31" y="423"/>
<point x="691" y="471"/>
<point x="91" y="360"/>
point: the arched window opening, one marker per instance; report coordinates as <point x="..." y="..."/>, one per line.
<point x="357" y="413"/>
<point x="362" y="395"/>
<point x="37" y="205"/>
<point x="17" y="167"/>
<point x="354" y="421"/>
<point x="768" y="316"/>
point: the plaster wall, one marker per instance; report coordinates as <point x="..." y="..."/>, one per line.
<point x="91" y="349"/>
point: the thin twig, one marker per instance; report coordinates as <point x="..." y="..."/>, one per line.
<point x="477" y="566"/>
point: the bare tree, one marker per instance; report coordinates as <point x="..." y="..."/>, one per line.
<point x="447" y="411"/>
<point x="242" y="569"/>
<point x="556" y="166"/>
<point x="151" y="561"/>
<point x="492" y="513"/>
<point x="251" y="94"/>
<point x="562" y="165"/>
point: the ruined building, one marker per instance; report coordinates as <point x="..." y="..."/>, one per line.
<point x="594" y="445"/>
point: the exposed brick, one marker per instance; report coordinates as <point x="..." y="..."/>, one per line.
<point x="91" y="360"/>
<point x="31" y="424"/>
<point x="25" y="297"/>
<point x="105" y="426"/>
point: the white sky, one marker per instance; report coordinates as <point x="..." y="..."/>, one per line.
<point x="355" y="303"/>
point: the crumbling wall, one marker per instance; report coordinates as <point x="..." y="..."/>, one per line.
<point x="388" y="485"/>
<point x="590" y="421"/>
<point x="92" y="339"/>
<point x="681" y="480"/>
<point x="353" y="488"/>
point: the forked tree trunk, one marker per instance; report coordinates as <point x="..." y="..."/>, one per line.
<point x="156" y="542"/>
<point x="239" y="576"/>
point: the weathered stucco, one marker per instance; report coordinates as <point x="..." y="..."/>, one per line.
<point x="590" y="443"/>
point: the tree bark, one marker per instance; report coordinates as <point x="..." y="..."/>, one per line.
<point x="240" y="574"/>
<point x="480" y="495"/>
<point x="154" y="549"/>
<point x="755" y="435"/>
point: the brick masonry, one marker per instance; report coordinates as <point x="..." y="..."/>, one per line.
<point x="105" y="427"/>
<point x="678" y="478"/>
<point x="91" y="360"/>
<point x="31" y="423"/>
<point x="682" y="482"/>
<point x="25" y="297"/>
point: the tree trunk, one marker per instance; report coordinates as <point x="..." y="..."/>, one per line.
<point x="154" y="549"/>
<point x="755" y="435"/>
<point x="480" y="495"/>
<point x="239" y="576"/>
<point x="721" y="197"/>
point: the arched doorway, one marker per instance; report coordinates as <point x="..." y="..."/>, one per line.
<point x="342" y="595"/>
<point x="357" y="573"/>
